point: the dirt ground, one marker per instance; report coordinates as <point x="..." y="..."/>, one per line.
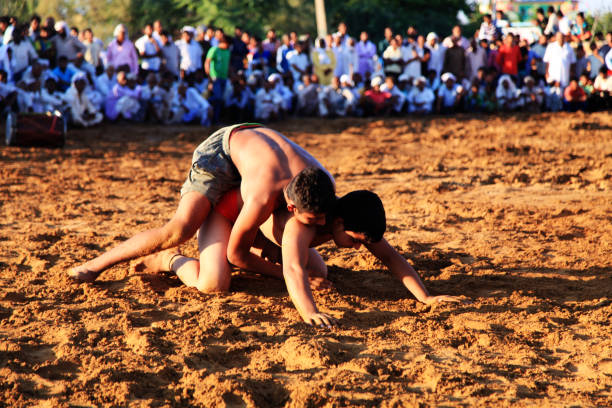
<point x="514" y="212"/>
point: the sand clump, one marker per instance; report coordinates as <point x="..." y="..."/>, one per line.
<point x="513" y="212"/>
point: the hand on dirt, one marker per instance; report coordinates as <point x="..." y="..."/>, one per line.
<point x="320" y="319"/>
<point x="445" y="298"/>
<point x="318" y="283"/>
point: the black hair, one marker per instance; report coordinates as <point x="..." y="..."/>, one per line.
<point x="362" y="212"/>
<point x="312" y="191"/>
<point x="35" y="17"/>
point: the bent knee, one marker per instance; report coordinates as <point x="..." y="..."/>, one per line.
<point x="176" y="233"/>
<point x="214" y="286"/>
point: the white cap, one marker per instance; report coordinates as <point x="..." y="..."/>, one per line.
<point x="345" y="79"/>
<point x="188" y="29"/>
<point x="274" y="77"/>
<point x="61" y="25"/>
<point x="118" y="29"/>
<point x="376" y="81"/>
<point x="431" y="36"/>
<point x="447" y="75"/>
<point x="420" y="79"/>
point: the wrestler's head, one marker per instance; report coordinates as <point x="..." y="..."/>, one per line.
<point x="310" y="196"/>
<point x="358" y="218"/>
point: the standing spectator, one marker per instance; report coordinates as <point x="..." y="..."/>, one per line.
<point x="541" y="19"/>
<point x="564" y="23"/>
<point x="552" y="25"/>
<point x="581" y="61"/>
<point x="121" y="53"/>
<point x="458" y="37"/>
<point x="538" y="50"/>
<point x="437" y="51"/>
<point x="282" y="65"/>
<point x="149" y="50"/>
<point x="366" y="52"/>
<point x="271" y="43"/>
<point x="386" y="41"/>
<point x="93" y="48"/>
<point x="22" y="52"/>
<point x="323" y="62"/>
<point x="298" y="62"/>
<point x="66" y="45"/>
<point x="413" y="55"/>
<point x="509" y="57"/>
<point x="158" y="29"/>
<point x="217" y="68"/>
<point x="487" y="29"/>
<point x="605" y="49"/>
<point x="34" y="30"/>
<point x="343" y="33"/>
<point x="501" y="22"/>
<point x="393" y="59"/>
<point x="580" y="31"/>
<point x="454" y="60"/>
<point x="190" y="53"/>
<point x="344" y="63"/>
<point x="476" y="58"/>
<point x="239" y="51"/>
<point x="560" y="60"/>
<point x="595" y="61"/>
<point x="170" y="55"/>
<point x="7" y="25"/>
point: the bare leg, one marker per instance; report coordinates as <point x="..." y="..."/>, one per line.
<point x="212" y="273"/>
<point x="190" y="214"/>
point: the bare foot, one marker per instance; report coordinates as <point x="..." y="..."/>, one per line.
<point x="319" y="283"/>
<point x="158" y="262"/>
<point x="83" y="274"/>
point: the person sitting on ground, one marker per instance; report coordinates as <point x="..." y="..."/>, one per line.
<point x="332" y="100"/>
<point x="190" y="106"/>
<point x="375" y="101"/>
<point x="63" y="73"/>
<point x="82" y="111"/>
<point x="421" y="98"/>
<point x="574" y="97"/>
<point x="308" y="95"/>
<point x="449" y="94"/>
<point x="507" y="95"/>
<point x="554" y="97"/>
<point x="123" y="100"/>
<point x="532" y="95"/>
<point x="267" y="103"/>
<point x="398" y="99"/>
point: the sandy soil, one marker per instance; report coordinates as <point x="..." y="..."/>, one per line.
<point x="513" y="212"/>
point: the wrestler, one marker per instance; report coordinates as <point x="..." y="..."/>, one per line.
<point x="270" y="170"/>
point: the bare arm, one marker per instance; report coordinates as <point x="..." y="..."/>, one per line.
<point x="402" y="270"/>
<point x="296" y="239"/>
<point x="243" y="235"/>
<point x="207" y="66"/>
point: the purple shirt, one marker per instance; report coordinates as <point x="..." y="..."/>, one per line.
<point x="365" y="53"/>
<point x="124" y="54"/>
<point x="114" y="95"/>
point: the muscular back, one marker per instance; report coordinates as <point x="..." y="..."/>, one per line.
<point x="267" y="161"/>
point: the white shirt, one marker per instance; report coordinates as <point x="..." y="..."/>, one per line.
<point x="412" y="69"/>
<point x="436" y="59"/>
<point x="448" y="96"/>
<point x="425" y="97"/>
<point x="144" y="45"/>
<point x="23" y="55"/>
<point x="191" y="55"/>
<point x="559" y="59"/>
<point x="299" y="60"/>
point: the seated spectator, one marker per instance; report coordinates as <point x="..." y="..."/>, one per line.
<point x="574" y="97"/>
<point x="22" y="52"/>
<point x="475" y="99"/>
<point x="8" y="95"/>
<point x="351" y="95"/>
<point x="421" y="98"/>
<point x="532" y="95"/>
<point x="106" y="81"/>
<point x="268" y="102"/>
<point x="123" y="101"/>
<point x="398" y="99"/>
<point x="237" y="103"/>
<point x="190" y="106"/>
<point x="449" y="95"/>
<point x="283" y="91"/>
<point x="51" y="98"/>
<point x="332" y="100"/>
<point x="162" y="98"/>
<point x="602" y="90"/>
<point x="375" y="101"/>
<point x="82" y="111"/>
<point x="63" y="73"/>
<point x="554" y="97"/>
<point x="507" y="95"/>
<point x="308" y="95"/>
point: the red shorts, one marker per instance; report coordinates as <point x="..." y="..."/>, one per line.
<point x="229" y="206"/>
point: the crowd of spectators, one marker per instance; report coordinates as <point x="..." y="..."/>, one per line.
<point x="206" y="76"/>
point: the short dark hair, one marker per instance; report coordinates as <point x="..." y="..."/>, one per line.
<point x="312" y="190"/>
<point x="362" y="211"/>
